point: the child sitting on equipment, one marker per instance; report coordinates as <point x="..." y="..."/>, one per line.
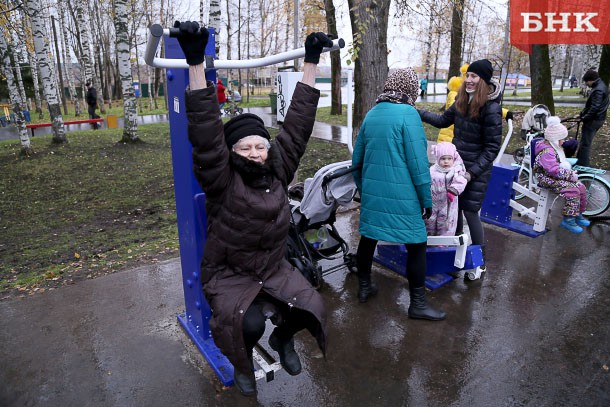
<point x="554" y="172"/>
<point x="448" y="182"/>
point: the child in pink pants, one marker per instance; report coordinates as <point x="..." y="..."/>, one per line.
<point x="553" y="171"/>
<point x="448" y="182"/>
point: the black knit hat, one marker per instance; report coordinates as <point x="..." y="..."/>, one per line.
<point x="244" y="125"/>
<point x="482" y="68"/>
<point x="590" y="75"/>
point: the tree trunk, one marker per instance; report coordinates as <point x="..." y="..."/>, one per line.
<point x="130" y="127"/>
<point x="540" y="68"/>
<point x="14" y="97"/>
<point x="369" y="20"/>
<point x="215" y="22"/>
<point x="566" y="67"/>
<point x="59" y="69"/>
<point x="36" y="83"/>
<point x="455" y="53"/>
<point x="85" y="57"/>
<point x="47" y="75"/>
<point x="150" y="72"/>
<point x="336" y="107"/>
<point x="604" y="64"/>
<point x="66" y="47"/>
<point x="429" y="42"/>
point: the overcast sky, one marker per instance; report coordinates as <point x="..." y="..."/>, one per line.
<point x="405" y="51"/>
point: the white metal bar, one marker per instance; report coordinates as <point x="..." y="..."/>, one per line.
<point x="156" y="32"/>
<point x="506" y="140"/>
<point x="267" y="370"/>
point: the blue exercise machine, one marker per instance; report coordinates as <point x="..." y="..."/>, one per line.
<point x="190" y="201"/>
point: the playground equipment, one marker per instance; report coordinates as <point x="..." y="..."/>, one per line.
<point x="445" y="256"/>
<point x="598" y="189"/>
<point x="190" y="201"/>
<point x="510" y="183"/>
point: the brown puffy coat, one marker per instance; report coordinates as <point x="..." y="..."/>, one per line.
<point x="248" y="222"/>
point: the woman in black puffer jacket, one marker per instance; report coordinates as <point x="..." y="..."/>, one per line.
<point x="477" y="119"/>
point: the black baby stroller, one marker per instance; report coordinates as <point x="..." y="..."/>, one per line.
<point x="313" y="235"/>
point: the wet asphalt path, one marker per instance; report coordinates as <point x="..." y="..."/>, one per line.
<point x="533" y="332"/>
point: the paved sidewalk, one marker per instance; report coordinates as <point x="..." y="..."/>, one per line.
<point x="533" y="332"/>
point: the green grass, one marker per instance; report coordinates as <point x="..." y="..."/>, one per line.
<point x="508" y="93"/>
<point x="85" y="208"/>
<point x="95" y="206"/>
<point x="117" y="109"/>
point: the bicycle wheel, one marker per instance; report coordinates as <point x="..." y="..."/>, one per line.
<point x="598" y="194"/>
<point x="524" y="181"/>
<point x="240" y="110"/>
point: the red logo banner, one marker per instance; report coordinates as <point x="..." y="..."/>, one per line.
<point x="559" y="22"/>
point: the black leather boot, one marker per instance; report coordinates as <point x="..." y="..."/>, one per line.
<point x="289" y="359"/>
<point x="419" y="309"/>
<point x="245" y="383"/>
<point x="366" y="288"/>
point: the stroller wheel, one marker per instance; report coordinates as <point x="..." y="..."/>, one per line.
<point x="475" y="274"/>
<point x="311" y="272"/>
<point x="350" y="262"/>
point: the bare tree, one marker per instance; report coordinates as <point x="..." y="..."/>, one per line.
<point x="130" y="127"/>
<point x="14" y="97"/>
<point x="66" y="53"/>
<point x="455" y="56"/>
<point x="369" y="20"/>
<point x="604" y="64"/>
<point x="540" y="68"/>
<point x="335" y="61"/>
<point x="45" y="65"/>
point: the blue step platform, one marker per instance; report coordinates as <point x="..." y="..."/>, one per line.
<point x="496" y="209"/>
<point x="439" y="261"/>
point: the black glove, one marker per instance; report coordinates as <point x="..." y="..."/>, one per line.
<point x="509" y="115"/>
<point x="426" y="213"/>
<point x="314" y="43"/>
<point x="192" y="40"/>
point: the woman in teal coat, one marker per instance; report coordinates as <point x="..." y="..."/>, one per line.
<point x="394" y="185"/>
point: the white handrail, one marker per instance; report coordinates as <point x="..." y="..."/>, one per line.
<point x="156" y="32"/>
<point x="506" y="141"/>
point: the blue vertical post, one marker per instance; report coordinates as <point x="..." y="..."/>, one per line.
<point x="190" y="213"/>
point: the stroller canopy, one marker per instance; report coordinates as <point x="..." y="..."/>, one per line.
<point x="319" y="203"/>
<point x="535" y="118"/>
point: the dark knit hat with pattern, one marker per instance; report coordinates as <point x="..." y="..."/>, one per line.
<point x="244" y="125"/>
<point x="482" y="68"/>
<point x="590" y="75"/>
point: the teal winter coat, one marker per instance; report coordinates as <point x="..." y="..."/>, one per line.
<point x="394" y="181"/>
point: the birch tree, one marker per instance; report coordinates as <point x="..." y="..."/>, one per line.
<point x="49" y="82"/>
<point x="14" y="97"/>
<point x="215" y="23"/>
<point x="86" y="62"/>
<point x="130" y="127"/>
<point x="68" y="65"/>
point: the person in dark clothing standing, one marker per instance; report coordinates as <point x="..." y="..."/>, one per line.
<point x="91" y="99"/>
<point x="477" y="119"/>
<point x="245" y="175"/>
<point x="593" y="115"/>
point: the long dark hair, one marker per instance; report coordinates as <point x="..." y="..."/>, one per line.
<point x="479" y="98"/>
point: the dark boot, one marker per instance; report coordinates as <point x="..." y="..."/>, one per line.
<point x="245" y="383"/>
<point x="366" y="288"/>
<point x="289" y="359"/>
<point x="419" y="309"/>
